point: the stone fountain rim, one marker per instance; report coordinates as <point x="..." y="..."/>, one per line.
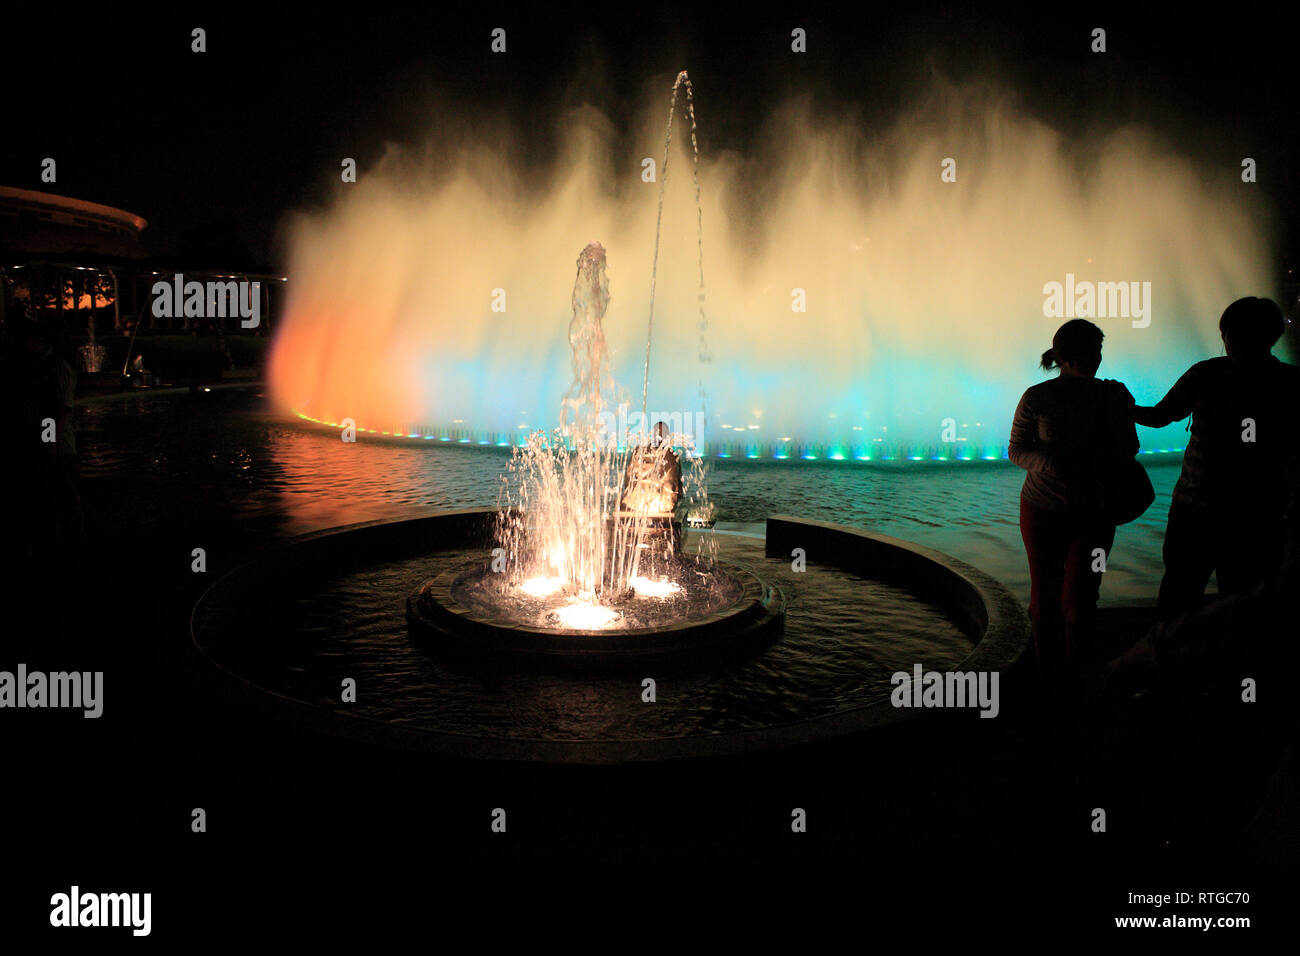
<point x="633" y="643"/>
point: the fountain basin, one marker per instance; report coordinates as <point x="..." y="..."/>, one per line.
<point x="735" y="611"/>
<point x="284" y="631"/>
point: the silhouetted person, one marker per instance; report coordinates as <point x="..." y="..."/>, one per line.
<point x="1238" y="477"/>
<point x="49" y="388"/>
<point x="1069" y="433"/>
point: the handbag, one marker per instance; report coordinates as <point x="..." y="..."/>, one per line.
<point x="1128" y="492"/>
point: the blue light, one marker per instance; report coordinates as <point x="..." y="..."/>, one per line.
<point x="835" y="451"/>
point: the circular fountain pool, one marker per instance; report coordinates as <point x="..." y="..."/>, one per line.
<point x="287" y="632"/>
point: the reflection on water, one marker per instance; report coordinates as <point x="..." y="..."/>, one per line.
<point x="219" y="460"/>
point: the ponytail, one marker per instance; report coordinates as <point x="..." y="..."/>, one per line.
<point x="1049" y="360"/>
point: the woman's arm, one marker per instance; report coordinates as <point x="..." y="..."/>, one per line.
<point x="1148" y="416"/>
<point x="1174" y="407"/>
<point x="1023" y="448"/>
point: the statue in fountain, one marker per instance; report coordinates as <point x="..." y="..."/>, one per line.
<point x="652" y="486"/>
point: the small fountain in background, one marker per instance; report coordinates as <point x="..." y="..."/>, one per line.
<point x="91" y="355"/>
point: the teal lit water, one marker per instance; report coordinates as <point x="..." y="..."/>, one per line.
<point x="222" y="458"/>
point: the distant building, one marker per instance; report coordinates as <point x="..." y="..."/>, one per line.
<point x="52" y="225"/>
<point x="75" y="264"/>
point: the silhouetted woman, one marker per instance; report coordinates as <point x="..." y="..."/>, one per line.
<point x="1069" y="433"/>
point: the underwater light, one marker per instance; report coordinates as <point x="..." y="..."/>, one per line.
<point x="587" y="617"/>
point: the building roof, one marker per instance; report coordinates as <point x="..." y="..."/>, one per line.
<point x="13" y="196"/>
<point x="49" y="224"/>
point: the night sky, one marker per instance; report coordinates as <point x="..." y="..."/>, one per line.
<point x="214" y="148"/>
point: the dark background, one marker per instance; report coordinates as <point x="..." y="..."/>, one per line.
<point x="213" y="148"/>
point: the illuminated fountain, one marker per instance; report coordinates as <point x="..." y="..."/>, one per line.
<point x="587" y="541"/>
<point x="866" y="308"/>
<point x="565" y="527"/>
<point x="588" y="538"/>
